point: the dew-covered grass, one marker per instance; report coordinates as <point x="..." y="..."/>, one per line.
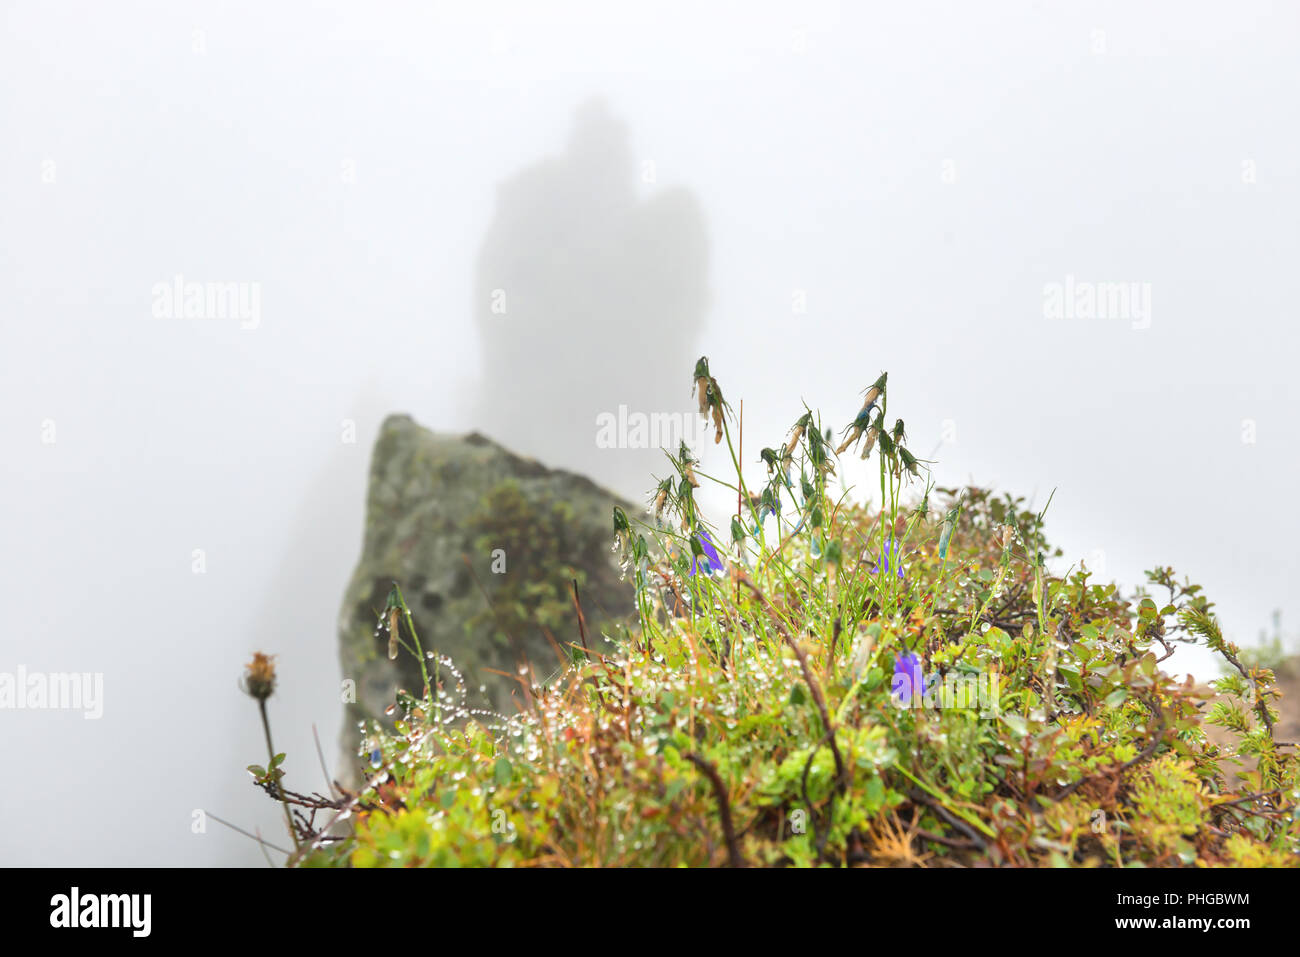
<point x="763" y="709"/>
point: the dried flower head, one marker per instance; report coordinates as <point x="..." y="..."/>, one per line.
<point x="701" y="377"/>
<point x="862" y="421"/>
<point x="661" y="498"/>
<point x="394" y="629"/>
<point x="870" y="444"/>
<point x="259" y="676"/>
<point x="875" y="391"/>
<point x="709" y="395"/>
<point x="855" y="428"/>
<point x="797" y="433"/>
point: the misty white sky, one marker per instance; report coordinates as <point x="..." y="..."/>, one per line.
<point x="917" y="173"/>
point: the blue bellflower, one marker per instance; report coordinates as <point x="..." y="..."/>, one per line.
<point x="908" y="679"/>
<point x="708" y="563"/>
<point x="892" y="557"/>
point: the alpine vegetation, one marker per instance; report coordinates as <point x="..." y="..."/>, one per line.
<point x="888" y="676"/>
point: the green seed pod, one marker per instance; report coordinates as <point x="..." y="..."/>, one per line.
<point x="737" y="530"/>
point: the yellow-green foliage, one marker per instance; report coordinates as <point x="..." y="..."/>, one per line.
<point x="1169" y="801"/>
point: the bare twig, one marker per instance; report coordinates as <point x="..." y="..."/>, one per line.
<point x="973" y="836"/>
<point x="724" y="806"/>
<point x="947" y="841"/>
<point x="582" y="619"/>
<point x="255" y="837"/>
<point x="321" y="755"/>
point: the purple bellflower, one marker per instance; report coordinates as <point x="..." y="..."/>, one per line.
<point x="908" y="679"/>
<point x="706" y="560"/>
<point x="892" y="557"/>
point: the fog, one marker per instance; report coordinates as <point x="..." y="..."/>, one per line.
<point x="807" y="193"/>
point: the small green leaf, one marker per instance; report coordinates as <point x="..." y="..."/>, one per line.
<point x="502" y="772"/>
<point x="1016" y="723"/>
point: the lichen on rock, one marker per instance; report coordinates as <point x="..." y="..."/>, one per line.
<point x="485" y="545"/>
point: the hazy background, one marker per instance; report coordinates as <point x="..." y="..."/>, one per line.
<point x="884" y="186"/>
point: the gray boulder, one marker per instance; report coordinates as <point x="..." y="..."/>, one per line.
<point x="484" y="544"/>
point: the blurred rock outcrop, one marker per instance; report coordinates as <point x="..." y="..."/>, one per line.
<point x="484" y="544"/>
<point x="590" y="296"/>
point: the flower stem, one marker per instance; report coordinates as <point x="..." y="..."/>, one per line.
<point x="288" y="817"/>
